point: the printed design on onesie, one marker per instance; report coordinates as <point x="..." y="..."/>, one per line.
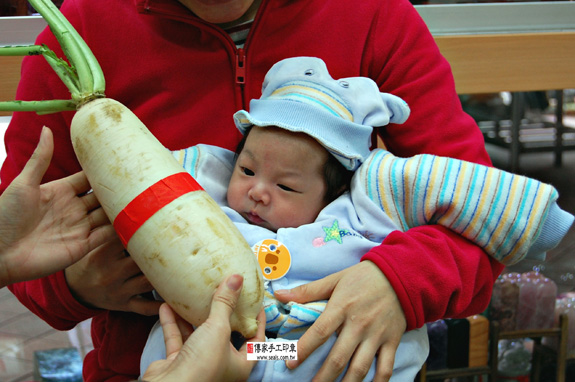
<point x="333" y="233"/>
<point x="273" y="257"/>
<point x="368" y="235"/>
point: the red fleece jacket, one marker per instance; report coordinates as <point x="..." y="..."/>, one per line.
<point x="183" y="78"/>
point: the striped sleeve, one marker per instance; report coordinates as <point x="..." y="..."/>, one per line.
<point x="189" y="159"/>
<point x="501" y="212"/>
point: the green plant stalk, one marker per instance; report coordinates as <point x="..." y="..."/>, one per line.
<point x="83" y="76"/>
<point x="40" y="107"/>
<point x="66" y="73"/>
<point x="74" y="47"/>
<point x="61" y="29"/>
<point x="27" y="50"/>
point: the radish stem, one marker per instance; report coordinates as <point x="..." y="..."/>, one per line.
<point x="83" y="76"/>
<point x="40" y="107"/>
<point x="28" y="50"/>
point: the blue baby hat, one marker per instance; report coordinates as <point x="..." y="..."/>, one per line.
<point x="299" y="95"/>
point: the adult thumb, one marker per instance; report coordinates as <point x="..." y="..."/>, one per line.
<point x="39" y="162"/>
<point x="226" y="296"/>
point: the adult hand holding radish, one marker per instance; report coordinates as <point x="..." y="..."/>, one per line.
<point x="176" y="234"/>
<point x="44" y="228"/>
<point x="107" y="278"/>
<point x="207" y="355"/>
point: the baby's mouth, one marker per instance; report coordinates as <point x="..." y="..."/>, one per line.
<point x="254" y="218"/>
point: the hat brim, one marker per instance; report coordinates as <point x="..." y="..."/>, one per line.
<point x="349" y="142"/>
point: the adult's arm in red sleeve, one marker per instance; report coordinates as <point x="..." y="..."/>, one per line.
<point x="50" y="299"/>
<point x="436" y="274"/>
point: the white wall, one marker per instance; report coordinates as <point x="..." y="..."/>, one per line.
<point x="3" y="125"/>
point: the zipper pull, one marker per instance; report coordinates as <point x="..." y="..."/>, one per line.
<point x="240" y="67"/>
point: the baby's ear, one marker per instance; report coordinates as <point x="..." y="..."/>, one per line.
<point x="398" y="107"/>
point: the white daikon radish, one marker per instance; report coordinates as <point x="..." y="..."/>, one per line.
<point x="179" y="237"/>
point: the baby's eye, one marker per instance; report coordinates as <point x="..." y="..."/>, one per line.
<point x="247" y="171"/>
<point x="286" y="188"/>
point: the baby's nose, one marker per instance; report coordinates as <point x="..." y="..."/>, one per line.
<point x="259" y="193"/>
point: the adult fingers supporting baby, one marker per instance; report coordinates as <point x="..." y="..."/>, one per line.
<point x="364" y="309"/>
<point x="367" y="348"/>
<point x="382" y="326"/>
<point x="385" y="361"/>
<point x="324" y="326"/>
<point x="362" y="361"/>
<point x="355" y="349"/>
<point x="340" y="355"/>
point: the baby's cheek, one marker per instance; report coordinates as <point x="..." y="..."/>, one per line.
<point x="234" y="201"/>
<point x="298" y="216"/>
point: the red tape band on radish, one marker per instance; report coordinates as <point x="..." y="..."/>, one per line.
<point x="153" y="199"/>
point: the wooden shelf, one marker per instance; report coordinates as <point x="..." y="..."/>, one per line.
<point x="511" y="62"/>
<point x="495" y="335"/>
<point x="452" y="373"/>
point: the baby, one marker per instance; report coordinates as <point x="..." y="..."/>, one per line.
<point x="311" y="199"/>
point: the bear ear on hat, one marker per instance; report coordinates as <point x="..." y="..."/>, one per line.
<point x="380" y="109"/>
<point x="398" y="107"/>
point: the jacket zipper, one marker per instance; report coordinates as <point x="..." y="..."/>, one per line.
<point x="240" y="67"/>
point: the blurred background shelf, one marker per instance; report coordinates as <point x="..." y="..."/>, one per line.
<point x="490" y="371"/>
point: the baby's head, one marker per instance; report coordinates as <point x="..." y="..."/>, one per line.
<point x="302" y="141"/>
<point x="283" y="179"/>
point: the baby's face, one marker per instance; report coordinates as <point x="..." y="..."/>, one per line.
<point x="278" y="179"/>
